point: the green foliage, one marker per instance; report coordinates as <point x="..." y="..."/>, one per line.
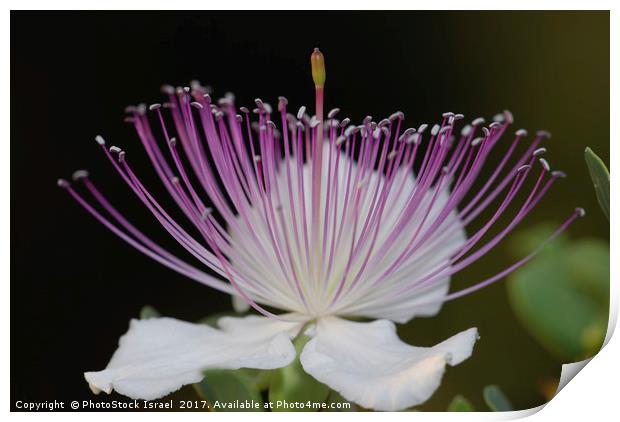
<point x="229" y="391"/>
<point x="293" y="384"/>
<point x="493" y="397"/>
<point x="600" y="179"/>
<point x="496" y="399"/>
<point x="562" y="296"/>
<point x="259" y="378"/>
<point x="460" y="404"/>
<point x="148" y="312"/>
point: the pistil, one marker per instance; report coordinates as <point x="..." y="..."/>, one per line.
<point x="318" y="76"/>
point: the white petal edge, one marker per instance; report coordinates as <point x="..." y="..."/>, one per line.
<point x="369" y="365"/>
<point x="405" y="308"/>
<point x="160" y="355"/>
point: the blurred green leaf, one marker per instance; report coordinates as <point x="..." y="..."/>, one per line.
<point x="148" y="312"/>
<point x="460" y="404"/>
<point x="223" y="388"/>
<point x="589" y="263"/>
<point x="600" y="179"/>
<point x="293" y="384"/>
<point x="259" y="378"/>
<point x="562" y="296"/>
<point x="495" y="399"/>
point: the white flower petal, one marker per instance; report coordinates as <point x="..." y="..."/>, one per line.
<point x="410" y="306"/>
<point x="368" y="364"/>
<point x="158" y="356"/>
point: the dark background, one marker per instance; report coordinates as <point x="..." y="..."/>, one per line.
<point x="74" y="285"/>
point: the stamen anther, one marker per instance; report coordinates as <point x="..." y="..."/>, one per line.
<point x="79" y="174"/>
<point x="282" y="103"/>
<point x="406" y="134"/>
<point x="444" y="130"/>
<point x="415" y="138"/>
<point x="301" y="112"/>
<point x="314" y="122"/>
<point x="398" y="115"/>
<point x="539" y="152"/>
<point x="498" y="118"/>
<point x="332" y="113"/>
<point x="167" y="89"/>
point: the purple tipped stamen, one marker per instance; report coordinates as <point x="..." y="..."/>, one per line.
<point x="320" y="216"/>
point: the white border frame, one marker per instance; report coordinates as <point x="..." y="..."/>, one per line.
<point x="593" y="392"/>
